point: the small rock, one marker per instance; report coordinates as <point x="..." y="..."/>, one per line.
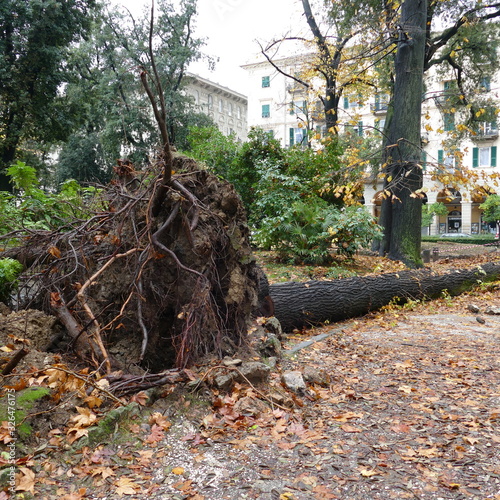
<point x="254" y="371"/>
<point x="272" y="325"/>
<point x="293" y="381"/>
<point x="480" y="320"/>
<point x="225" y="381"/>
<point x="473" y="308"/>
<point x="492" y="311"/>
<point x="250" y="406"/>
<point x="4" y="310"/>
<point x="227" y="361"/>
<point x="314" y="375"/>
<point x="271" y="362"/>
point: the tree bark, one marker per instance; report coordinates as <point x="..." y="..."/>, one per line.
<point x="299" y="305"/>
<point x="401" y="209"/>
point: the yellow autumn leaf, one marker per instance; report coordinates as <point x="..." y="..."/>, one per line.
<point x="178" y="471"/>
<point x="25" y="480"/>
<point x="126" y="486"/>
<point x="368" y="472"/>
<point x="85" y="418"/>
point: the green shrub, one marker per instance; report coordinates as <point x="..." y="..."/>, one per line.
<point x="9" y="272"/>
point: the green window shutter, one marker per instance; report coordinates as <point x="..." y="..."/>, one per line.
<point x="304" y="106"/>
<point x="266" y="81"/>
<point x="360" y="129"/>
<point x="440" y="156"/>
<point x="493" y="156"/>
<point x="292" y="136"/>
<point x="475" y="157"/>
<point x="292" y="108"/>
<point x="266" y="111"/>
<point x="346" y="103"/>
<point x="423" y="161"/>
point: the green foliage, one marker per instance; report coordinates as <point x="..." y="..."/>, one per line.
<point x="210" y="146"/>
<point x="429" y="211"/>
<point x="303" y="227"/>
<point x="9" y="272"/>
<point x="245" y="173"/>
<point x="34" y="39"/>
<point x="24" y="402"/>
<point x="491" y="208"/>
<point x="33" y="208"/>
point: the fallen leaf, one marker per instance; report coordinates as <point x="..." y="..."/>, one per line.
<point x="369" y="472"/>
<point x="350" y="428"/>
<point x="471" y="440"/>
<point x="156" y="435"/>
<point x="178" y="470"/>
<point x="25" y="480"/>
<point x="126" y="486"/>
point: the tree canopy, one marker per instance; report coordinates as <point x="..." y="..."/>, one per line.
<point x="35" y="36"/>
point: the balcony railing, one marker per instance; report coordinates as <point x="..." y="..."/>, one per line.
<point x="379" y="107"/>
<point x="486" y="131"/>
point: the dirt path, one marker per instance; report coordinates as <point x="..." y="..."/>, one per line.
<point x="403" y="403"/>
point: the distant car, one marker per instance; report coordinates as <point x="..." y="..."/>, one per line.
<point x="455" y="235"/>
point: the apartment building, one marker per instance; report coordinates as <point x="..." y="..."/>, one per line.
<point x="227" y="108"/>
<point x="281" y="106"/>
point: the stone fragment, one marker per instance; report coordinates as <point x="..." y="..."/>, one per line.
<point x="492" y="310"/>
<point x="473" y="308"/>
<point x="250" y="406"/>
<point x="293" y="381"/>
<point x="254" y="371"/>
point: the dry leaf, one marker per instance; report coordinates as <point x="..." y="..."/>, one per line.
<point x="368" y="472"/>
<point x="126" y="486"/>
<point x="350" y="428"/>
<point x="25" y="480"/>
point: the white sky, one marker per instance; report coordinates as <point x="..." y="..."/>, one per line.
<point x="231" y="27"/>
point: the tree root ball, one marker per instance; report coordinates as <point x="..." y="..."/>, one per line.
<point x="165" y="290"/>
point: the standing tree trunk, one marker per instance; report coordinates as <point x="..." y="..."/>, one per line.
<point x="402" y="209"/>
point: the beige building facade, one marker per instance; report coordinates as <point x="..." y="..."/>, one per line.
<point x="227" y="108"/>
<point x="282" y="107"/>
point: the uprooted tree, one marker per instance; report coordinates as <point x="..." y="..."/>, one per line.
<point x="160" y="275"/>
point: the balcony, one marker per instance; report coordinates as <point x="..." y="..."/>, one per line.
<point x="486" y="132"/>
<point x="379" y="108"/>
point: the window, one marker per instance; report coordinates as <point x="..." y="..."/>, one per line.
<point x="446" y="160"/>
<point x="423" y="160"/>
<point x="210" y="101"/>
<point x="221" y="105"/>
<point x="352" y="103"/>
<point x="380" y="124"/>
<point x="449" y="122"/>
<point x="266" y="110"/>
<point x="230" y="109"/>
<point x="238" y="113"/>
<point x="487" y="129"/>
<point x="484" y="157"/>
<point x="297" y="136"/>
<point x="266" y="81"/>
<point x="381" y="102"/>
<point x="359" y="129"/>
<point x="485" y="84"/>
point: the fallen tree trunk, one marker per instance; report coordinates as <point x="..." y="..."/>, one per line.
<point x="299" y="305"/>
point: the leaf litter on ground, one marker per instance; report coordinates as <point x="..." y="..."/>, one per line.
<point x="402" y="403"/>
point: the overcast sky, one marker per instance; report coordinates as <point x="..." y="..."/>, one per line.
<point x="231" y="27"/>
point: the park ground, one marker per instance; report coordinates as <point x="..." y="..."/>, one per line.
<point x="401" y="403"/>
